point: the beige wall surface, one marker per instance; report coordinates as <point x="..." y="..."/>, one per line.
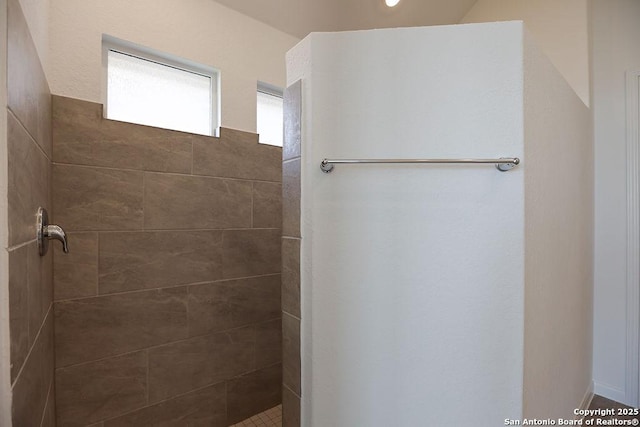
<point x="558" y="243"/>
<point x="560" y="28"/>
<point x="243" y="49"/>
<point x="615" y="51"/>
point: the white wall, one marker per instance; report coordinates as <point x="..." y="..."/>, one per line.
<point x="412" y="277"/>
<point x="615" y="50"/>
<point x="36" y="13"/>
<point x="204" y="31"/>
<point x="560" y="28"/>
<point x="558" y="244"/>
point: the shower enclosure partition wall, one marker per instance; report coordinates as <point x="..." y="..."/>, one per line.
<point x="438" y="294"/>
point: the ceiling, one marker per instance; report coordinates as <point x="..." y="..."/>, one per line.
<point x="300" y="17"/>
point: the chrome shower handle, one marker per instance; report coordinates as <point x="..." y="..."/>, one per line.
<point x="46" y="232"/>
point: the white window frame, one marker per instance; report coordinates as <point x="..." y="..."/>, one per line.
<point x="272" y="90"/>
<point x="110" y="43"/>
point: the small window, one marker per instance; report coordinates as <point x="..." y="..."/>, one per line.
<point x="147" y="88"/>
<point x="269" y="114"/>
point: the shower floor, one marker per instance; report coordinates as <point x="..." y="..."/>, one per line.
<point x="269" y="418"/>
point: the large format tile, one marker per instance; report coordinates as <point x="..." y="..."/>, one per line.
<point x="229" y="304"/>
<point x="292" y="121"/>
<point x="205" y="407"/>
<point x="253" y="393"/>
<point x="291" y="198"/>
<point x="93" y="328"/>
<point x="139" y="260"/>
<point x="268" y="343"/>
<point x="267" y="205"/>
<point x="40" y="279"/>
<point x="291" y="276"/>
<point x="18" y="308"/>
<point x="82" y="136"/>
<point x="250" y="253"/>
<point x="75" y="274"/>
<point x="95" y="391"/>
<point x="87" y="198"/>
<point x="194" y="202"/>
<point x="187" y="365"/>
<point x="290" y="408"/>
<point x="29" y="175"/>
<point x="32" y="385"/>
<point x="234" y="155"/>
<point x="28" y="93"/>
<point x="291" y="352"/>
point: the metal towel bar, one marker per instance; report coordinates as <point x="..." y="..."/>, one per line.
<point x="503" y="164"/>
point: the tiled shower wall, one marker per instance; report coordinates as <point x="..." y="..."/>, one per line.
<point x="30" y="276"/>
<point x="291" y="240"/>
<point x="168" y="305"/>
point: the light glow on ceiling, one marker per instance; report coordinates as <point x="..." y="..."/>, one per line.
<point x="391" y="3"/>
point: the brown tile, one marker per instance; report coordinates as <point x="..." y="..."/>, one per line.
<point x="248" y="253"/>
<point x="292" y="121"/>
<point x="267" y="205"/>
<point x="32" y="385"/>
<point x="29" y="182"/>
<point x="291" y="198"/>
<point x="239" y="136"/>
<point x="40" y="279"/>
<point x="205" y="407"/>
<point x="268" y="343"/>
<point x="18" y="308"/>
<point x="139" y="260"/>
<point x="187" y="365"/>
<point x="87" y="198"/>
<point x="28" y="93"/>
<point x="75" y="274"/>
<point x="291" y="352"/>
<point x="82" y="136"/>
<point x="290" y="408"/>
<point x="253" y="393"/>
<point x="98" y="390"/>
<point x="291" y="276"/>
<point x="234" y="155"/>
<point x="194" y="202"/>
<point x="93" y="328"/>
<point x="228" y="304"/>
<point x="49" y="417"/>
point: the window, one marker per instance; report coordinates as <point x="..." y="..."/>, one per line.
<point x="153" y="89"/>
<point x="269" y="114"/>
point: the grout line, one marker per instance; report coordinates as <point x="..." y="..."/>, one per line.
<point x="291" y="160"/>
<point x="30" y="136"/>
<point x="133" y="291"/>
<point x="150" y="405"/>
<point x="47" y="401"/>
<point x="294" y="393"/>
<point x="165" y="173"/>
<point x="292" y="315"/>
<point x="164" y="344"/>
<point x="291" y="238"/>
<point x="174" y="230"/>
<point x="21" y="245"/>
<point x="35" y="341"/>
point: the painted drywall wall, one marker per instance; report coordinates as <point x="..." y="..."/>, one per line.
<point x="36" y="13"/>
<point x="615" y="51"/>
<point x="560" y="28"/>
<point x="412" y="291"/>
<point x="558" y="244"/>
<point x="204" y="31"/>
